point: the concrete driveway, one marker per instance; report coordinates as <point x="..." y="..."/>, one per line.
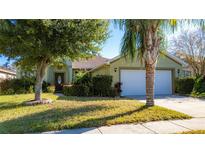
<point x="192" y="106"/>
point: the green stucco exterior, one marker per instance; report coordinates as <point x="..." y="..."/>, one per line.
<point x="164" y="62"/>
<point x="51" y="70"/>
<point x="104" y="70"/>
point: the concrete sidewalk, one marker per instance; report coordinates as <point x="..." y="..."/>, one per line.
<point x="157" y="127"/>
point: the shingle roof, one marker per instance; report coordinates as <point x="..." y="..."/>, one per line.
<point x="166" y="53"/>
<point x="89" y="63"/>
<point x="7" y="70"/>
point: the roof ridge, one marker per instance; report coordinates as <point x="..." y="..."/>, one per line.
<point x="174" y="58"/>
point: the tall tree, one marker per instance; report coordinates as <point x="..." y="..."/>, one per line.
<point x="190" y="45"/>
<point x="143" y="38"/>
<point x="41" y="42"/>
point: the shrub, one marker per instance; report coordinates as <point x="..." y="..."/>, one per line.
<point x="118" y="88"/>
<point x="87" y="86"/>
<point x="76" y="90"/>
<point x="7" y="92"/>
<point x="85" y="82"/>
<point x="31" y="89"/>
<point x="21" y="90"/>
<point x="84" y="79"/>
<point x="184" y="85"/>
<point x="102" y="85"/>
<point x="197" y="94"/>
<point x="113" y="92"/>
<point x="67" y="90"/>
<point x="5" y="86"/>
<point x="20" y="86"/>
<point x="79" y="76"/>
<point x="199" y="85"/>
<point x="51" y="89"/>
<point x="17" y="86"/>
<point x="80" y="90"/>
<point x="45" y="86"/>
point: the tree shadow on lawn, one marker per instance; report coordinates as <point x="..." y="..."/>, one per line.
<point x="44" y="121"/>
<point x="102" y="121"/>
<point x="8" y="105"/>
<point x="88" y="99"/>
<point x="58" y="119"/>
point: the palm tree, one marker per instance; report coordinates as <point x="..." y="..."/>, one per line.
<point x="143" y="38"/>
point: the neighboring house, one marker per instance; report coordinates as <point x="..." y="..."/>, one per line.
<point x="6" y="73"/>
<point x="132" y="74"/>
<point x="187" y="70"/>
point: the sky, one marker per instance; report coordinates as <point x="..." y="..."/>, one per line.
<point x="111" y="47"/>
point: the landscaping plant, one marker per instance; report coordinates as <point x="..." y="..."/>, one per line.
<point x="100" y="85"/>
<point x="199" y="85"/>
<point x="39" y="43"/>
<point x="22" y="86"/>
<point x="184" y="85"/>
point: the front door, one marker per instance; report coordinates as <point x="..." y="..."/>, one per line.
<point x="59" y="81"/>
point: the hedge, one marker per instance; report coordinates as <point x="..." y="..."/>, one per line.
<point x="17" y="86"/>
<point x="100" y="85"/>
<point x="22" y="86"/>
<point x="184" y="85"/>
<point x="199" y="85"/>
<point x="76" y="90"/>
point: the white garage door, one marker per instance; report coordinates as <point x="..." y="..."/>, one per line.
<point x="134" y="82"/>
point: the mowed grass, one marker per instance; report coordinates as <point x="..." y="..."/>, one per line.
<point x="75" y="112"/>
<point x="194" y="132"/>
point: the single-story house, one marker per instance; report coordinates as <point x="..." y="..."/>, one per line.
<point x="131" y="74"/>
<point x="6" y="73"/>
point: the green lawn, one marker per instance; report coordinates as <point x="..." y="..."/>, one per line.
<point x="75" y="112"/>
<point x="194" y="132"/>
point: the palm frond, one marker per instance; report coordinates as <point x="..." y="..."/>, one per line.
<point x="128" y="44"/>
<point x="132" y="43"/>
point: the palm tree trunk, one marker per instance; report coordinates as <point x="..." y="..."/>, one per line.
<point x="150" y="75"/>
<point x="151" y="46"/>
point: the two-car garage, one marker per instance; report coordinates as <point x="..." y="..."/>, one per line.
<point x="134" y="82"/>
<point x="132" y="74"/>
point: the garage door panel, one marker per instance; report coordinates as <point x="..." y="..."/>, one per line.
<point x="163" y="82"/>
<point x="131" y="78"/>
<point x="134" y="82"/>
